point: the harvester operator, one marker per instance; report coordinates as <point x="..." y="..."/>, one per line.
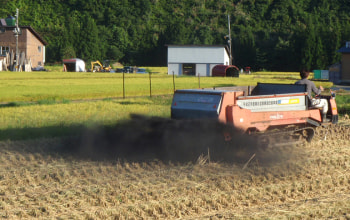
<point x="310" y="87"/>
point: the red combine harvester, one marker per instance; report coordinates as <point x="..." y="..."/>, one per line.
<point x="276" y="113"/>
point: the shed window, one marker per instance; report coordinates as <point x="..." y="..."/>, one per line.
<point x="4" y="50"/>
<point x="39" y="49"/>
<point x="189" y="69"/>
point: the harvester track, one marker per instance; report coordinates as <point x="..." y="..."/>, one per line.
<point x="284" y="137"/>
<point x="290" y="137"/>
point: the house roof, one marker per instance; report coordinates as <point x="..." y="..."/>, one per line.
<point x="193" y="45"/>
<point x="36" y="34"/>
<point x="344" y="50"/>
<point x="198" y="45"/>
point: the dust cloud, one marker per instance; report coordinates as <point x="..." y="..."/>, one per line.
<point x="146" y="138"/>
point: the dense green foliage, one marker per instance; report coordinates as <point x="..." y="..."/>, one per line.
<point x="266" y="34"/>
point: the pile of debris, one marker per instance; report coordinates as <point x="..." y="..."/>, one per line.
<point x="9" y="63"/>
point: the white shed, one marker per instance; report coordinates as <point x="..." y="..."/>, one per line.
<point x="196" y="60"/>
<point x="74" y="65"/>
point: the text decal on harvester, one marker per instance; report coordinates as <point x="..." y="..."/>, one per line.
<point x="276" y="116"/>
<point x="288" y="101"/>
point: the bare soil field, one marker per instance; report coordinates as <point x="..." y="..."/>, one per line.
<point x="46" y="179"/>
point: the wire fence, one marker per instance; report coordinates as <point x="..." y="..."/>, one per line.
<point x="150" y="77"/>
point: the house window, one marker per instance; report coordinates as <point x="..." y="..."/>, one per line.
<point x="39" y="49"/>
<point x="4" y="50"/>
<point x="189" y="69"/>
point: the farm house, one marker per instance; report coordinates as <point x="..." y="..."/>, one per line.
<point x="196" y="60"/>
<point x="30" y="43"/>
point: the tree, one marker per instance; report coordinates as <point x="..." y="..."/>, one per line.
<point x="90" y="44"/>
<point x="269" y="34"/>
<point x="68" y="52"/>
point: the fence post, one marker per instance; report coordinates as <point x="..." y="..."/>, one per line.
<point x="199" y="81"/>
<point x="174" y="81"/>
<point x="150" y="85"/>
<point x="123" y="84"/>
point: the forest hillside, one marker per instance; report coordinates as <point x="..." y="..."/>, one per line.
<point x="279" y="35"/>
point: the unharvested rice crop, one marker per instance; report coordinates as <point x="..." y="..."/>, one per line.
<point x="40" y="180"/>
<point x="36" y="86"/>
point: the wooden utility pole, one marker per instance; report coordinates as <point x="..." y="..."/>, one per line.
<point x="229" y="38"/>
<point x="17" y="32"/>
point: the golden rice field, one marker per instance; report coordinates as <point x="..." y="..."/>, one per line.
<point x="311" y="181"/>
<point x="35" y="86"/>
<point x="67" y="114"/>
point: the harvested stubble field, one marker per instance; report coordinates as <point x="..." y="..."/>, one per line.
<point x="311" y="181"/>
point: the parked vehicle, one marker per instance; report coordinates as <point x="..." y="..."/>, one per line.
<point x="141" y="70"/>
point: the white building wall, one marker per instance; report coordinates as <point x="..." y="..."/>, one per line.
<point x="226" y="59"/>
<point x="174" y="68"/>
<point x="205" y="58"/>
<point x="201" y="69"/>
<point x="183" y="54"/>
<point x="80" y="66"/>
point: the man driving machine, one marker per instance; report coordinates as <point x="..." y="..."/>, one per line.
<point x="310" y="87"/>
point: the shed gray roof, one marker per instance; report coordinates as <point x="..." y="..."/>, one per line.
<point x="199" y="45"/>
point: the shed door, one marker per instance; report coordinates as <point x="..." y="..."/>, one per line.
<point x="189" y="69"/>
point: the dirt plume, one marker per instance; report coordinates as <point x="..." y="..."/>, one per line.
<point x="144" y="138"/>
